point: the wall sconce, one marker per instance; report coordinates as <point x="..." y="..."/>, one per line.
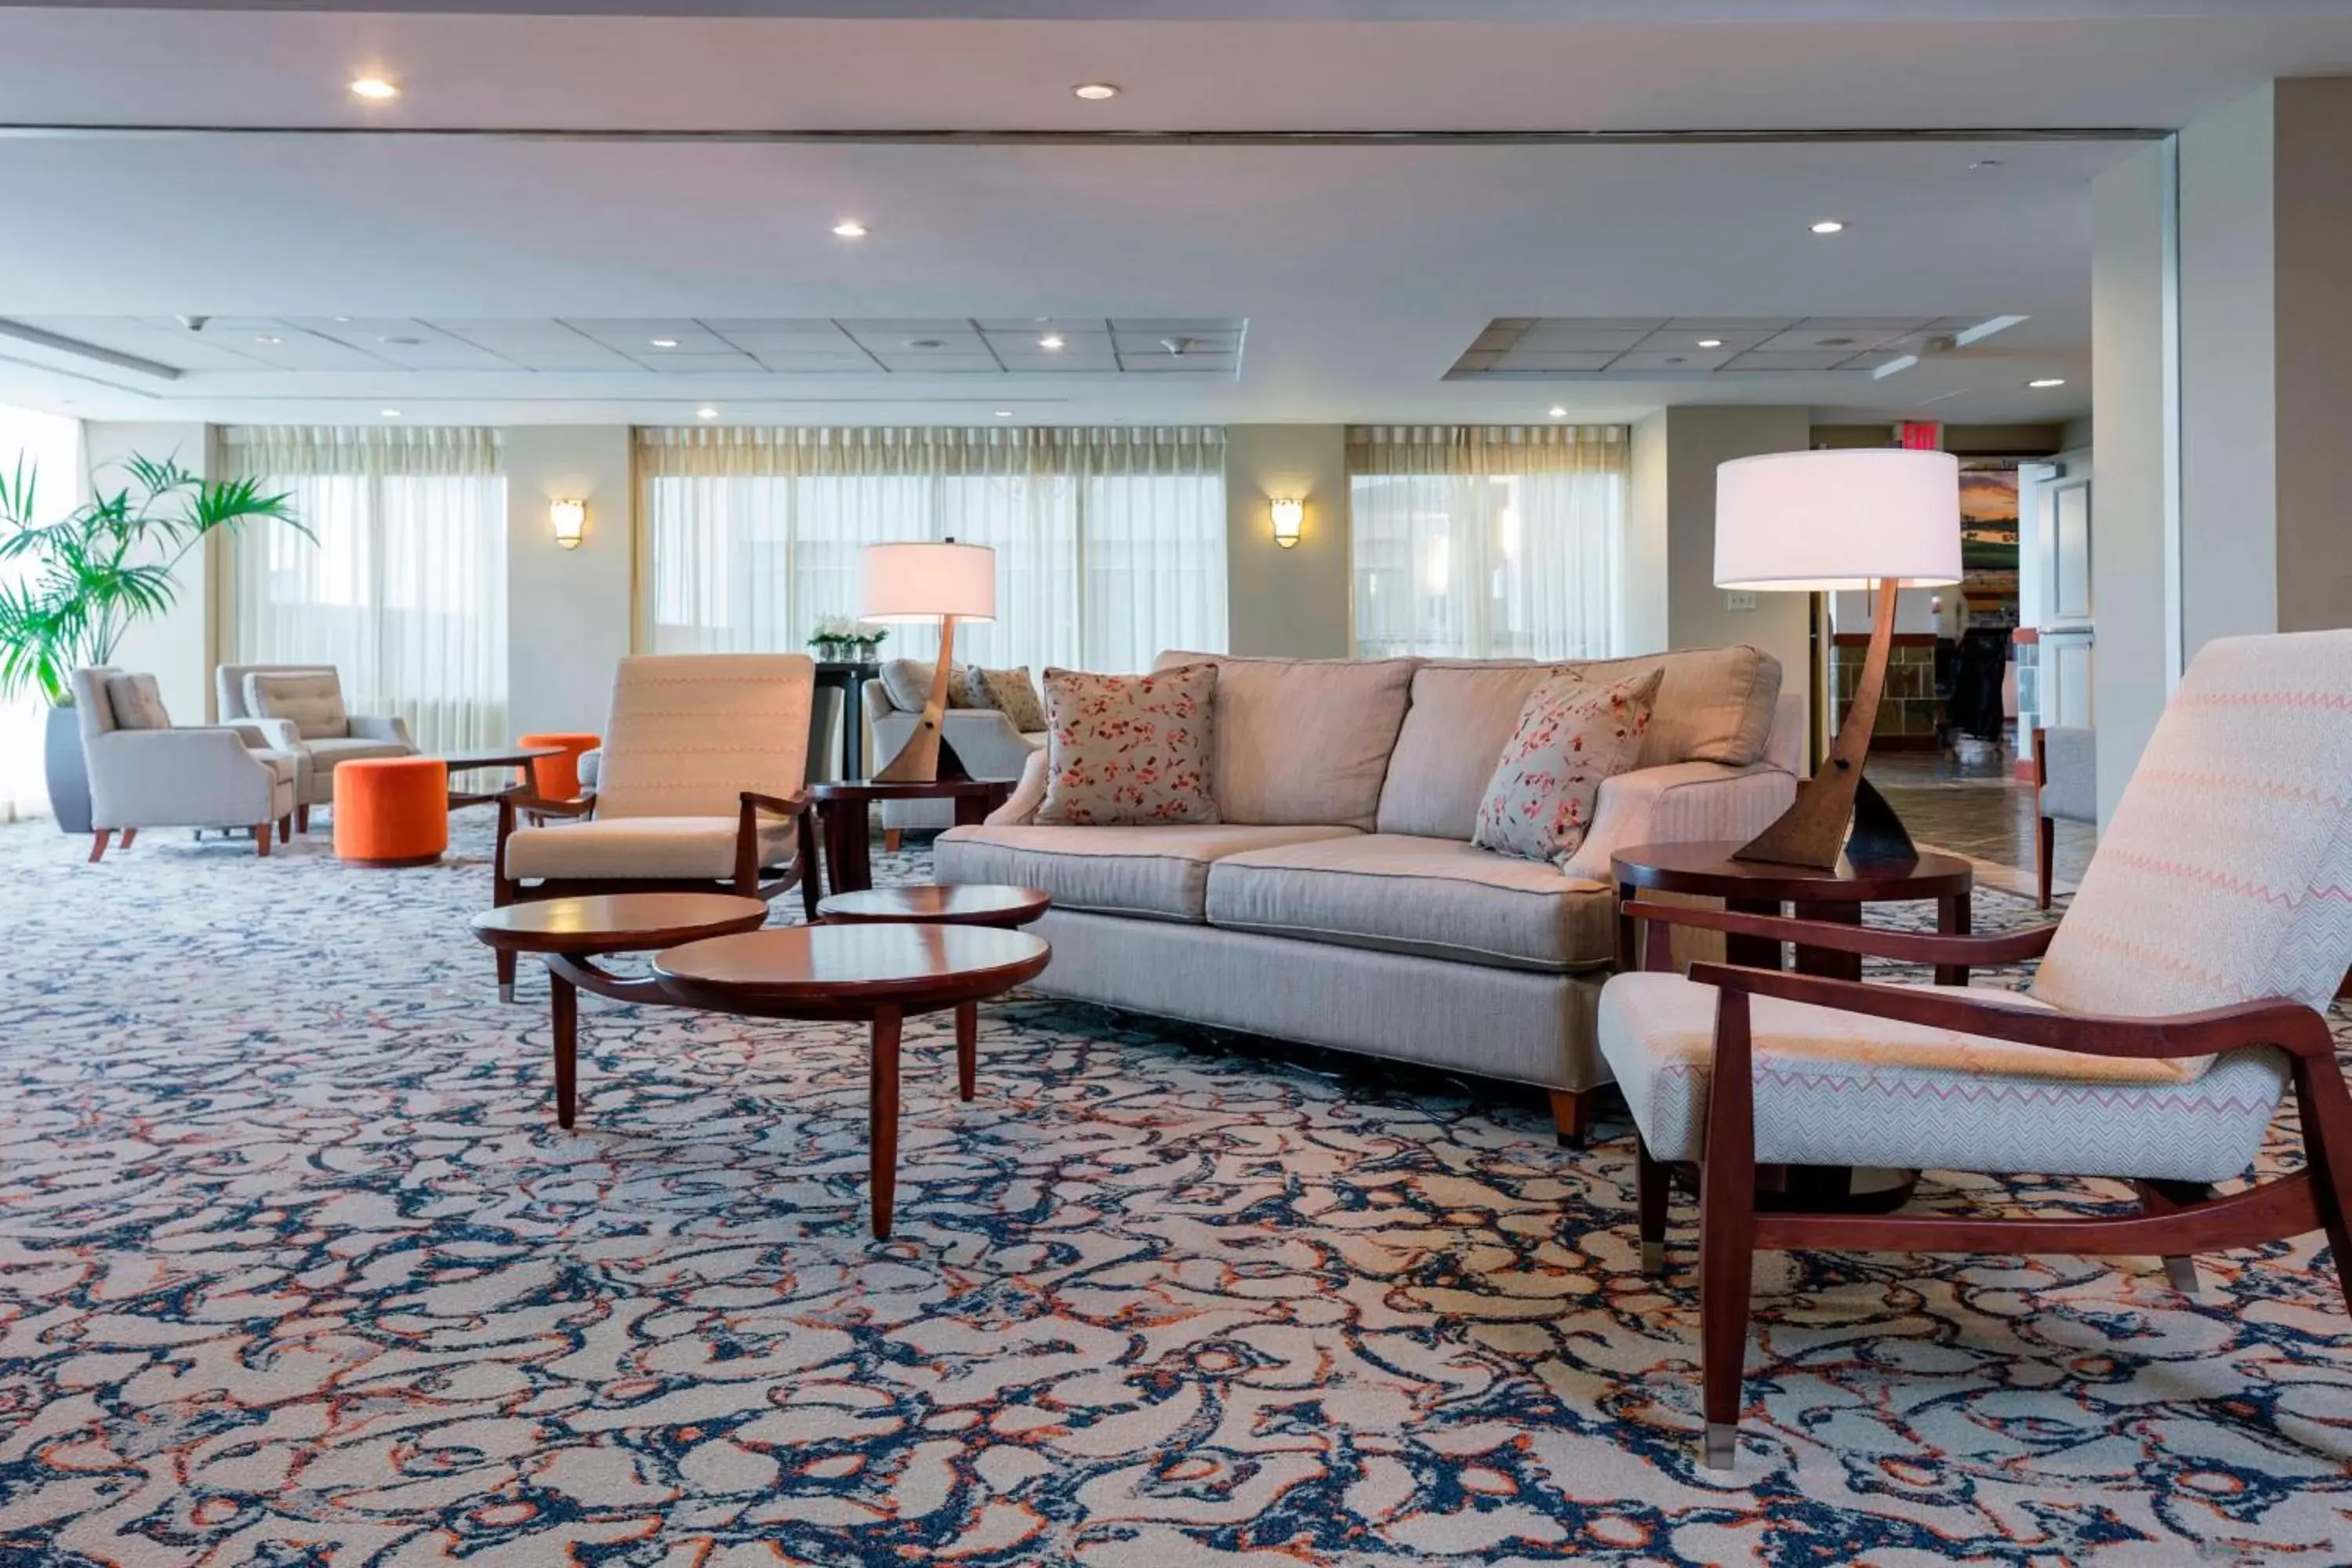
<point x="1288" y="515"/>
<point x="570" y="521"/>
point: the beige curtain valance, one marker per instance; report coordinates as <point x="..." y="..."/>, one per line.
<point x="286" y="449"/>
<point x="815" y="452"/>
<point x="1476" y="449"/>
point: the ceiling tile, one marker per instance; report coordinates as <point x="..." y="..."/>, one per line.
<point x="1783" y="360"/>
<point x="938" y="362"/>
<point x="684" y="363"/>
<point x="1676" y="361"/>
<point x="1578" y="339"/>
<point x="1516" y="360"/>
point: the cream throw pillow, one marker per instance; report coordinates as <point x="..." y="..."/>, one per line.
<point x="137" y="702"/>
<point x="1571" y="736"/>
<point x="1129" y="750"/>
<point x="1014" y="694"/>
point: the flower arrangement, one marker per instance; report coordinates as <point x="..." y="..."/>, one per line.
<point x="838" y="639"/>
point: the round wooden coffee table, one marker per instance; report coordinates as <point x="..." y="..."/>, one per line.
<point x="934" y="903"/>
<point x="569" y="931"/>
<point x="881" y="974"/>
<point x="519" y="758"/>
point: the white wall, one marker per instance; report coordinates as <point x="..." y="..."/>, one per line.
<point x="1697" y="612"/>
<point x="177" y="648"/>
<point x="1294" y="602"/>
<point x="568" y="611"/>
<point x="2314" y="399"/>
<point x="2127" y="548"/>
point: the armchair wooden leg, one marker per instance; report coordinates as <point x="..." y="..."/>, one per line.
<point x="1652" y="1187"/>
<point x="2044" y="855"/>
<point x="1727" y="1231"/>
<point x="286" y="829"/>
<point x="2326" y="1110"/>
<point x="129" y="836"/>
<point x="2158" y="1196"/>
<point x="261" y="839"/>
<point x="301" y="819"/>
<point x="891" y="838"/>
<point x="98" y="843"/>
<point x="1571" y="1116"/>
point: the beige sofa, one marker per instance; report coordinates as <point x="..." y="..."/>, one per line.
<point x="1340" y="901"/>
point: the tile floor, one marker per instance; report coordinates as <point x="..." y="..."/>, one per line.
<point x="1979" y="810"/>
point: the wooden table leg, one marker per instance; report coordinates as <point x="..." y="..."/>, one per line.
<point x="853" y="728"/>
<point x="972" y="810"/>
<point x="1752" y="952"/>
<point x="1821" y="961"/>
<point x="565" y="998"/>
<point x="882" y="1117"/>
<point x="967" y="1022"/>
<point x="849" y="863"/>
<point x="1955" y="916"/>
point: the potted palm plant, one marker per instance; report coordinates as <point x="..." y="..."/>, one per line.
<point x="92" y="574"/>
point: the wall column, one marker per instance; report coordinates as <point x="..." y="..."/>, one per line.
<point x="569" y="611"/>
<point x="1296" y="603"/>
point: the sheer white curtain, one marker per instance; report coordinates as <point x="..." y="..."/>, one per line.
<point x="49" y="447"/>
<point x="403" y="590"/>
<point x="1488" y="542"/>
<point x="1110" y="544"/>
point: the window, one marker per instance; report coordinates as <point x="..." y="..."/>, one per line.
<point x="48" y="448"/>
<point x="1488" y="543"/>
<point x="1111" y="544"/>
<point x="403" y="589"/>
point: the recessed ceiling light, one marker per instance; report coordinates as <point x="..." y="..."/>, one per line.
<point x="1005" y="413"/>
<point x="1829" y="225"/>
<point x="342" y="318"/>
<point x="705" y="413"/>
<point x="850" y="228"/>
<point x="1710" y="342"/>
<point x="2047" y="382"/>
<point x="1985" y="164"/>
<point x="373" y="86"/>
<point x="1095" y="91"/>
<point x="1559" y="413"/>
<point x="266" y="338"/>
<point x="389" y="413"/>
<point x="1050" y="341"/>
<point x="665" y="342"/>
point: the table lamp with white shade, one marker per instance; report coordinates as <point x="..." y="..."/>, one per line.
<point x="945" y="582"/>
<point x="1872" y="518"/>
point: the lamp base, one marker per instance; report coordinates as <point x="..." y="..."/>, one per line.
<point x="1877" y="836"/>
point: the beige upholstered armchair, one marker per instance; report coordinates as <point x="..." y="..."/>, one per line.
<point x="699" y="785"/>
<point x="144" y="772"/>
<point x="2179" y="994"/>
<point x="299" y="708"/>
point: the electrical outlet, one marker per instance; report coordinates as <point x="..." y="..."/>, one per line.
<point x="1739" y="599"/>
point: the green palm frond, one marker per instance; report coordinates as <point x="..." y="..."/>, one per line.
<point x="108" y="563"/>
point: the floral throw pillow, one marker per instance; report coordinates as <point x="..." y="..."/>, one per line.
<point x="1129" y="749"/>
<point x="1012" y="693"/>
<point x="1571" y="735"/>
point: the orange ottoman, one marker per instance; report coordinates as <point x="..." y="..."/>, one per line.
<point x="558" y="778"/>
<point x="392" y="811"/>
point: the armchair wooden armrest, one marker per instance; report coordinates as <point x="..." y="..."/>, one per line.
<point x="802" y="810"/>
<point x="778" y="805"/>
<point x="518" y="800"/>
<point x="1908" y="947"/>
<point x="2290" y="1025"/>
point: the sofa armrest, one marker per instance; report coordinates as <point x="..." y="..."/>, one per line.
<point x="588" y="768"/>
<point x="1021" y="809"/>
<point x="1678" y="803"/>
<point x="986" y="743"/>
<point x="277" y="734"/>
<point x="392" y="729"/>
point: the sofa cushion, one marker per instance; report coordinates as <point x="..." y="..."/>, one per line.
<point x="1715" y="704"/>
<point x="1303" y="741"/>
<point x="1461" y="715"/>
<point x="908" y="683"/>
<point x="137" y="703"/>
<point x="1572" y="737"/>
<point x="653" y="848"/>
<point x="1159" y="873"/>
<point x="309" y="699"/>
<point x="1437" y="898"/>
<point x="1012" y="693"/>
<point x="1129" y="750"/>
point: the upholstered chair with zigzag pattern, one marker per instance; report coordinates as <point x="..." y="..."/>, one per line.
<point x="2173" y="1002"/>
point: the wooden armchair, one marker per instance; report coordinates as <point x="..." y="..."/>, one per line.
<point x="700" y="788"/>
<point x="2172" y="1005"/>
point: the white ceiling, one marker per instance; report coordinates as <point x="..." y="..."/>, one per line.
<point x="1363" y="271"/>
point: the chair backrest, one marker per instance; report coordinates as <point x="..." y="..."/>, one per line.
<point x="689" y="733"/>
<point x="2070" y="772"/>
<point x="2226" y="873"/>
<point x="228" y="685"/>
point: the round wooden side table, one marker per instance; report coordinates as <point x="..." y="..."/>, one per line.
<point x="567" y="933"/>
<point x="841" y="811"/>
<point x="1838" y="894"/>
<point x="934" y="903"/>
<point x="881" y="974"/>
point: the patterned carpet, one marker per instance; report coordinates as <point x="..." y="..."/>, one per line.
<point x="295" y="1267"/>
